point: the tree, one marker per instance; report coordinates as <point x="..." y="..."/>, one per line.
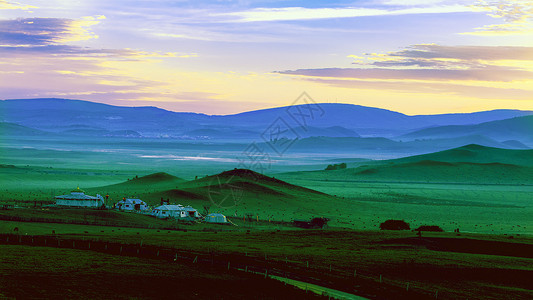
<point x="434" y="228"/>
<point x="336" y="166"/>
<point x="394" y="225"/>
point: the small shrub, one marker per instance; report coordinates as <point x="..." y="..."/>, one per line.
<point x="433" y="228"/>
<point x="336" y="167"/>
<point x="394" y="225"/>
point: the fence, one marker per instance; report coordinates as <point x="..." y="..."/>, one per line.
<point x="353" y="282"/>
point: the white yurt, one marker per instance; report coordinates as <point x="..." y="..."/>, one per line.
<point x="131" y="204"/>
<point x="216" y="218"/>
<point x="77" y="198"/>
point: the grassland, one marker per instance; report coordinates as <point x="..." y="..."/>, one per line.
<point x="476" y="189"/>
<point x="43" y="272"/>
<point x="466" y="266"/>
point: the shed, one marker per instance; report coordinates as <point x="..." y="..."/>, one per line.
<point x="216" y="218"/>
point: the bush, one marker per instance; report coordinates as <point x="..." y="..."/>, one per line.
<point x="394" y="225"/>
<point x="434" y="228"/>
<point x="336" y="166"/>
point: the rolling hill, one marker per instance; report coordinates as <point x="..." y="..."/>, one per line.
<point x="239" y="190"/>
<point x="518" y="129"/>
<point x="7" y="129"/>
<point x="471" y="164"/>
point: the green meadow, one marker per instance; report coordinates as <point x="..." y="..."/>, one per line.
<point x="473" y="188"/>
<point x="484" y="192"/>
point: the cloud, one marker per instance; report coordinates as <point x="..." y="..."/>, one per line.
<point x="466" y="52"/>
<point x="302" y="13"/>
<point x="451" y="57"/>
<point x="45" y="31"/>
<point x="486" y="74"/>
<point x="14" y="5"/>
<point x="490" y="72"/>
<point x="464" y="90"/>
<point x="517" y="16"/>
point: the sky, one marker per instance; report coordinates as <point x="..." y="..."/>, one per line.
<point x="225" y="57"/>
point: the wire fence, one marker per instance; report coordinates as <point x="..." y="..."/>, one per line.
<point x="372" y="286"/>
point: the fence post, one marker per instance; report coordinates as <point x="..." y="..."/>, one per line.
<point x="380" y="281"/>
<point x="120" y="249"/>
<point x="307" y="262"/>
<point x="246" y="269"/>
<point x="157" y="252"/>
<point x="436" y="294"/>
<point x="89" y="245"/>
<point x="355" y="273"/>
<point x="407" y="287"/>
<point x="266" y="273"/>
<point x="228" y="265"/>
<point x="330" y="268"/>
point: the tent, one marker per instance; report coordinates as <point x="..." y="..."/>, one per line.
<point x="77" y="198"/>
<point x="175" y="211"/>
<point x="216" y="218"/>
<point x="131" y="204"/>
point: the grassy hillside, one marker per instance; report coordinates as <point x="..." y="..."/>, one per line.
<point x="237" y="191"/>
<point x="471" y="164"/>
<point x="475" y="154"/>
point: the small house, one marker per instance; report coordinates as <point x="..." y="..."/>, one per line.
<point x="77" y="198"/>
<point x="130" y="204"/>
<point x="175" y="211"/>
<point x="216" y="218"/>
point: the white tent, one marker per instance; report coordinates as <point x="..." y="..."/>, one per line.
<point x="130" y="204"/>
<point x="175" y="211"/>
<point x="216" y="218"/>
<point x="77" y="198"/>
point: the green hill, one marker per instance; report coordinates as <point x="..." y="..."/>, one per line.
<point x="238" y="190"/>
<point x="474" y="153"/>
<point x="471" y="164"/>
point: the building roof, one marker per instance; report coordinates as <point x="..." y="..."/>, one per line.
<point x="188" y="208"/>
<point x="170" y="207"/>
<point x="77" y="190"/>
<point x="132" y="201"/>
<point x="216" y="215"/>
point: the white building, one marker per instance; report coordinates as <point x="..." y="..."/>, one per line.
<point x="175" y="211"/>
<point x="77" y="198"/>
<point x="131" y="204"/>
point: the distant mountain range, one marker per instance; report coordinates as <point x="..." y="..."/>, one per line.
<point x="507" y="128"/>
<point x="518" y="128"/>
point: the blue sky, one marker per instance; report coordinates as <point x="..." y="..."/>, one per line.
<point x="222" y="57"/>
